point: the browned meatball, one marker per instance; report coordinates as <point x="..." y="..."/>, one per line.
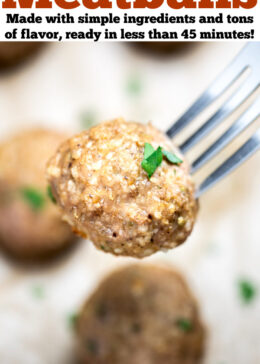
<point x="12" y="53"/>
<point x="162" y="48"/>
<point x="30" y="223"/>
<point x="141" y="315"/>
<point x="106" y="195"/>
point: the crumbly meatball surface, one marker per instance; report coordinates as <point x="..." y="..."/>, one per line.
<point x="106" y="195"/>
<point x="31" y="225"/>
<point x="141" y="315"/>
<point x="12" y="53"/>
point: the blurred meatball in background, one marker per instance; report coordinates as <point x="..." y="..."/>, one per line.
<point x="13" y="53"/>
<point x="141" y="315"/>
<point x="30" y="223"/>
<point x="163" y="49"/>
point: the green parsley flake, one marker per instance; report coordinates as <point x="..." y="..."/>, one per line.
<point x="133" y="85"/>
<point x="247" y="290"/>
<point x="50" y="194"/>
<point x="153" y="158"/>
<point x="151" y="163"/>
<point x="38" y="291"/>
<point x="148" y="150"/>
<point x="92" y="346"/>
<point x="33" y="197"/>
<point x="88" y="119"/>
<point x="72" y="320"/>
<point x="172" y="157"/>
<point x="184" y="324"/>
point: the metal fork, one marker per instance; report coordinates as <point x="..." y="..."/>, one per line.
<point x="247" y="59"/>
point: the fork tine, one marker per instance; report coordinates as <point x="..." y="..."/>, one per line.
<point x="238" y="97"/>
<point x="240" y="156"/>
<point x="241" y="124"/>
<point x="232" y="72"/>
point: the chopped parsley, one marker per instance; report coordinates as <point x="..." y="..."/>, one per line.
<point x="101" y="310"/>
<point x="136" y="328"/>
<point x="247" y="290"/>
<point x="88" y="119"/>
<point x="50" y="194"/>
<point x="184" y="324"/>
<point x="134" y="85"/>
<point x="38" y="291"/>
<point x="151" y="163"/>
<point x="92" y="346"/>
<point x="34" y="198"/>
<point x="72" y="320"/>
<point x="148" y="150"/>
<point x="172" y="157"/>
<point x="153" y="158"/>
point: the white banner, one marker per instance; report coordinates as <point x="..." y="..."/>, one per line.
<point x="187" y="20"/>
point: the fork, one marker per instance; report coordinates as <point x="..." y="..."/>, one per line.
<point x="247" y="59"/>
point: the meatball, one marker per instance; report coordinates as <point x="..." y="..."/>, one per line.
<point x="140" y="315"/>
<point x="30" y="223"/>
<point x="162" y="48"/>
<point x="107" y="196"/>
<point x="12" y="53"/>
